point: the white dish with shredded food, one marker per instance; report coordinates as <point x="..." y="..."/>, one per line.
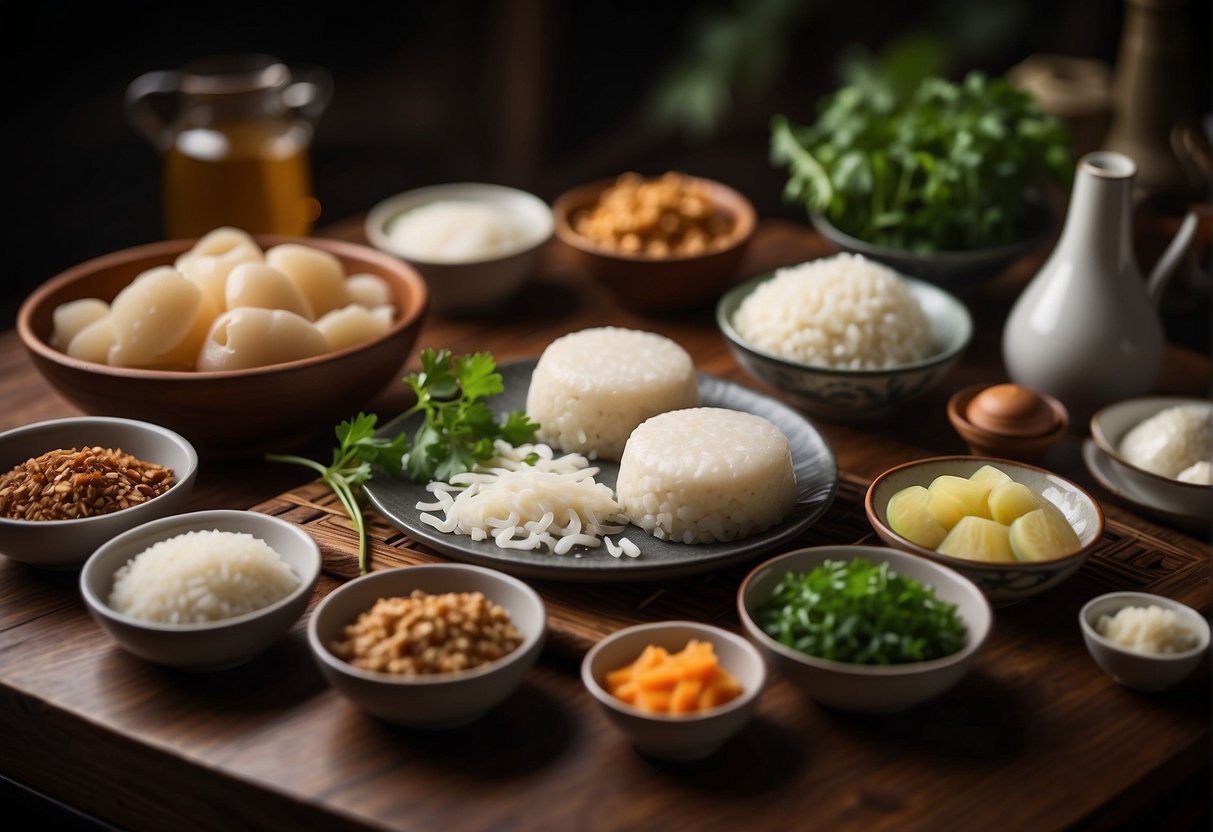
<point x="815" y="470"/>
<point x="1144" y="641"/>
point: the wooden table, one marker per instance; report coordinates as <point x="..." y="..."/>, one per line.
<point x="1036" y="737"/>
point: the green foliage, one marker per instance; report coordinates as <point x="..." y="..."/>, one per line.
<point x="357" y="453"/>
<point x="459" y="427"/>
<point x="860" y="613"/>
<point x="941" y="167"/>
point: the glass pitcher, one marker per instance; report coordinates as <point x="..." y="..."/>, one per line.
<point x="234" y="132"/>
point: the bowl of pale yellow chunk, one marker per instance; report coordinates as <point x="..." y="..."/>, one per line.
<point x="1013" y="529"/>
<point x="239" y="343"/>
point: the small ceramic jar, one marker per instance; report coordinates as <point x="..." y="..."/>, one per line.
<point x="1007" y="420"/>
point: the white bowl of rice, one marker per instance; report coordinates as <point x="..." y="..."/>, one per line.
<point x="206" y="590"/>
<point x="1145" y="642"/>
<point x="845" y="338"/>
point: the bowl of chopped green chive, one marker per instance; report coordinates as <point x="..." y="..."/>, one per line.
<point x="865" y="629"/>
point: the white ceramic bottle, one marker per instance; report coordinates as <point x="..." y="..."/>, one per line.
<point x="1086" y="329"/>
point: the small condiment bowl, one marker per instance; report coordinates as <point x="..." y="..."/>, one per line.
<point x="864" y="688"/>
<point x="1014" y="440"/>
<point x="213" y="645"/>
<point x="436" y="700"/>
<point x="1003" y="583"/>
<point x="676" y="736"/>
<point x="66" y="544"/>
<point x="1134" y="669"/>
<point x="649" y="283"/>
<point x="1108" y="428"/>
<point x="844" y="395"/>
<point x="477" y="285"/>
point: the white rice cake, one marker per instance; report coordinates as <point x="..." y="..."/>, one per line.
<point x="592" y="388"/>
<point x="706" y="474"/>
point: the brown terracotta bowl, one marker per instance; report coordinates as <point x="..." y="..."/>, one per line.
<point x="985" y="442"/>
<point x="235" y="412"/>
<point x="649" y="283"/>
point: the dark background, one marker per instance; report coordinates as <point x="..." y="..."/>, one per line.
<point x="539" y="94"/>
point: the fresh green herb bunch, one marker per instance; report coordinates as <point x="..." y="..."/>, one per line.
<point x="946" y="167"/>
<point x="860" y="613"/>
<point x="358" y="451"/>
<point x="459" y="427"/>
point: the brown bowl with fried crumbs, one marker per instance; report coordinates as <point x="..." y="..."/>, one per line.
<point x="432" y="646"/>
<point x="69" y="485"/>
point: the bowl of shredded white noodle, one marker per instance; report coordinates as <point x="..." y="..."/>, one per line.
<point x="1145" y="642"/>
<point x="475" y="244"/>
<point x="845" y="338"/>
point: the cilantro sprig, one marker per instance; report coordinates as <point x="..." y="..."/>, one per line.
<point x="357" y="453"/>
<point x="861" y="613"/>
<point x="459" y="428"/>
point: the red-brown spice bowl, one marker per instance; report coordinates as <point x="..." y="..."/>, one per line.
<point x="229" y="413"/>
<point x="650" y="283"/>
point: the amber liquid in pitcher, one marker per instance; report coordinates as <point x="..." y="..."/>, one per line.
<point x="255" y="176"/>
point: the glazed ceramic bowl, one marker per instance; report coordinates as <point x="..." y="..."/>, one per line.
<point x="228" y="413"/>
<point x="1003" y="583"/>
<point x="983" y="441"/>
<point x="1108" y="428"/>
<point x="64" y="544"/>
<point x="675" y="736"/>
<point x="1139" y="670"/>
<point x="648" y="283"/>
<point x="212" y="645"/>
<point x="854" y="395"/>
<point x="429" y="701"/>
<point x="957" y="271"/>
<point x="461" y="286"/>
<point x="867" y="688"/>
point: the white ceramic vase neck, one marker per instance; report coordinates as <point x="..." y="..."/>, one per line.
<point x="1086" y="329"/>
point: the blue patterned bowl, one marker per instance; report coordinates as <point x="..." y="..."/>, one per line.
<point x="854" y="395"/>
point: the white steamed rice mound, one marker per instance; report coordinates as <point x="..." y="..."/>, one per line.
<point x="592" y="388"/>
<point x="706" y="474"/>
<point x="1171" y="442"/>
<point x="201" y="576"/>
<point x="842" y="312"/>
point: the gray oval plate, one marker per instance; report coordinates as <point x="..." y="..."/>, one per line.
<point x="812" y="459"/>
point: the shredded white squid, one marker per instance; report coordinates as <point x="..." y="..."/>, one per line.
<point x="554" y="504"/>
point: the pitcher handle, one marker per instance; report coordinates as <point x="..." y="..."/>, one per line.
<point x="1170" y="258"/>
<point x="309" y="92"/>
<point x="140" y="109"/>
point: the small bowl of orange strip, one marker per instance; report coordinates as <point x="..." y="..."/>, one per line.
<point x="678" y="689"/>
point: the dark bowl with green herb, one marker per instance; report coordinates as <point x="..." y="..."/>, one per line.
<point x="864" y="628"/>
<point x="940" y="180"/>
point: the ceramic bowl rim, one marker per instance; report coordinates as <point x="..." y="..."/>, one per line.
<point x="893" y="671"/>
<point x="429" y="680"/>
<point x="405" y="318"/>
<point x="1134" y="598"/>
<point x="200" y="520"/>
<point x="709" y="631"/>
<point x="734" y="297"/>
<point x="963" y="563"/>
<point x="746" y="220"/>
<point x="1104" y="442"/>
<point x="151" y="428"/>
<point x="390" y="208"/>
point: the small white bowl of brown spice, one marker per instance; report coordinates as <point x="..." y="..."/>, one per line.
<point x="432" y="646"/>
<point x="69" y="485"/>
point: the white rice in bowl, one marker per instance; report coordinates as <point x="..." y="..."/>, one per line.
<point x="1172" y="443"/>
<point x="592" y="388"/>
<point x="201" y="576"/>
<point x="841" y="312"/>
<point x="706" y="474"/>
